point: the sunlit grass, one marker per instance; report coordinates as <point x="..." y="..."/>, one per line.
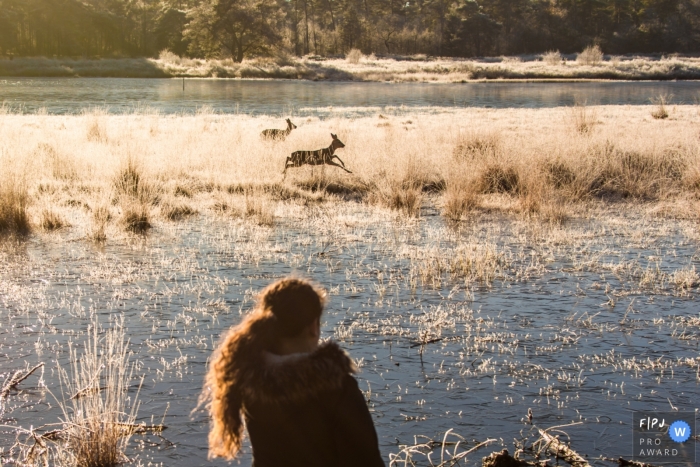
<point x="97" y="408"/>
<point x="97" y="402"/>
<point x="94" y="171"/>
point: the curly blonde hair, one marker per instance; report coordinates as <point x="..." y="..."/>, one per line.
<point x="283" y="309"/>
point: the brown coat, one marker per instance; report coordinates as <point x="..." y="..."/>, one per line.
<point x="307" y="410"/>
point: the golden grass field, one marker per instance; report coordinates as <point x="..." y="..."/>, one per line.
<point x="99" y="172"/>
<point x="357" y="67"/>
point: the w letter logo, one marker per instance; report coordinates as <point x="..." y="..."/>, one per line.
<point x="679" y="431"/>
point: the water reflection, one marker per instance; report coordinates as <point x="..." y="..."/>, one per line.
<point x="118" y="95"/>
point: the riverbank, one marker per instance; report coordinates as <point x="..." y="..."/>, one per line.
<point x="367" y="68"/>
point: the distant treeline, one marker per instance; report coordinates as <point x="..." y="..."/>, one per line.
<point x="244" y="28"/>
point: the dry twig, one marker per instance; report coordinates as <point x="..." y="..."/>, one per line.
<point x="16" y="378"/>
<point x="560" y="449"/>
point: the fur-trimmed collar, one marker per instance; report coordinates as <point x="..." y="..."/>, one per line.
<point x="284" y="379"/>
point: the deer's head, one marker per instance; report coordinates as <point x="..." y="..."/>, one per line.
<point x="336" y="142"/>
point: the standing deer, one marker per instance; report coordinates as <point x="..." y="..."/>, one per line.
<point x="318" y="157"/>
<point x="278" y="135"/>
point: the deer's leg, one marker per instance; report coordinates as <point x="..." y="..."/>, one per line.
<point x="338" y="165"/>
<point x="336" y="157"/>
<point x="286" y="164"/>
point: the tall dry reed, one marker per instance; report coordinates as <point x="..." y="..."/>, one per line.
<point x="660" y="111"/>
<point x="584" y="118"/>
<point x="14" y="203"/>
<point x="99" y="402"/>
<point x="135" y="196"/>
<point x="461" y="195"/>
<point x="100" y="398"/>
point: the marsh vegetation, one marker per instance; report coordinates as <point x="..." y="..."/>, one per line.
<point x="120" y="173"/>
<point x="479" y="262"/>
<point x="590" y="64"/>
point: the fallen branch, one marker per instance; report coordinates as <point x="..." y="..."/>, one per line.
<point x="88" y="391"/>
<point x="504" y="459"/>
<point x="560" y="449"/>
<point x="431" y="341"/>
<point x="625" y="462"/>
<point x="140" y="428"/>
<point x="16" y="378"/>
<point x="53" y="435"/>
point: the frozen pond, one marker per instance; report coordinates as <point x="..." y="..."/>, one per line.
<point x="585" y="323"/>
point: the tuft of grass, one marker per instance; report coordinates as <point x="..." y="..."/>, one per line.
<point x="136" y="218"/>
<point x="96" y="130"/>
<point x="176" y="211"/>
<point x="460" y="197"/>
<point x="537" y="200"/>
<point x="611" y="172"/>
<point x="100" y="218"/>
<point x="97" y="407"/>
<point x="660" y="112"/>
<point x="62" y="167"/>
<point x="530" y="200"/>
<point x="552" y="57"/>
<point x="558" y="173"/>
<point x="499" y="177"/>
<point x="641" y="175"/>
<point x="591" y="55"/>
<point x="319" y="184"/>
<point x="51" y="221"/>
<point x="14" y="203"/>
<point x="405" y="196"/>
<point x="691" y="180"/>
<point x="183" y="191"/>
<point x="129" y="184"/>
<point x="224" y="205"/>
<point x="259" y="208"/>
<point x="685" y="280"/>
<point x="478" y="145"/>
<point x="553" y="211"/>
<point x="583" y="118"/>
<point x="129" y="179"/>
<point x="406" y="199"/>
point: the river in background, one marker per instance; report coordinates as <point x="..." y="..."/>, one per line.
<point x="307" y="98"/>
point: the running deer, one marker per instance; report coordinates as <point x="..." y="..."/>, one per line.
<point x="318" y="157"/>
<point x="278" y="135"/>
